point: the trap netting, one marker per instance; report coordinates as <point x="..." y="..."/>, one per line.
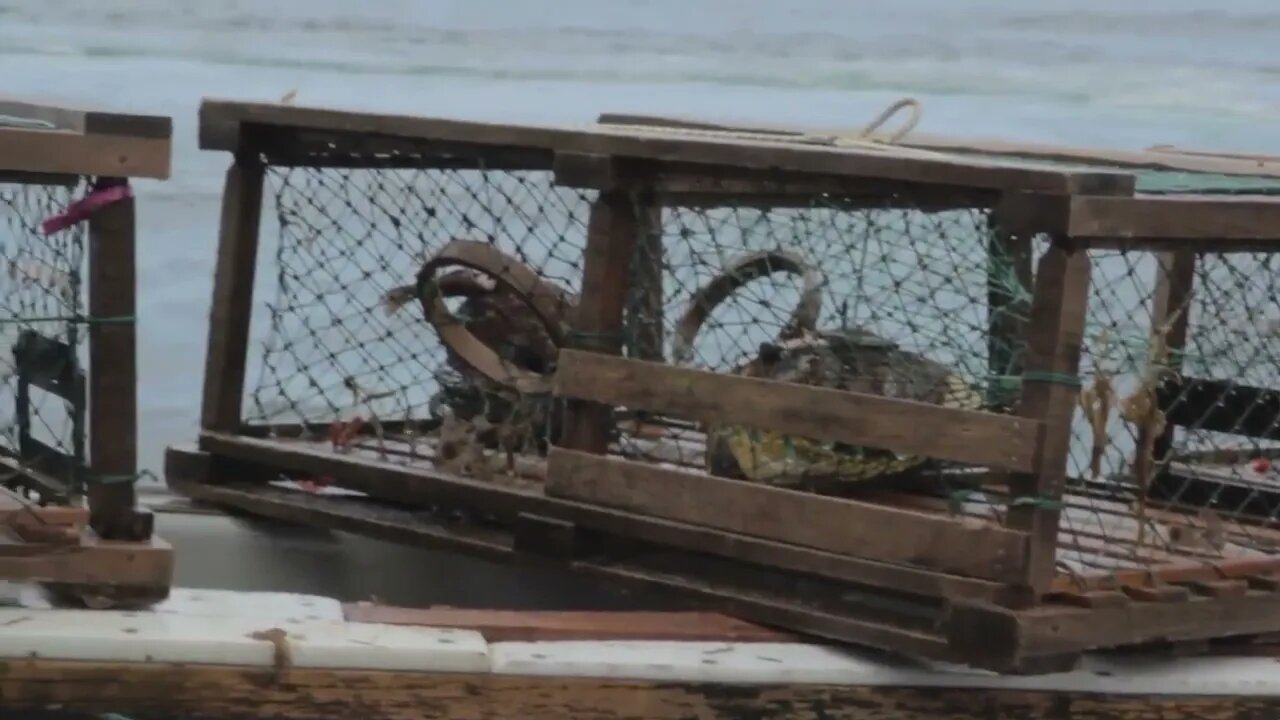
<point x="417" y="304"/>
<point x="43" y="334"/>
<point x="890" y="300"/>
<point x="1179" y="413"/>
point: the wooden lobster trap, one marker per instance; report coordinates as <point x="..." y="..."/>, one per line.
<point x="829" y="385"/>
<point x="68" y="402"/>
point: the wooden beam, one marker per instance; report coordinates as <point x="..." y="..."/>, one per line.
<point x="849" y="527"/>
<point x="221" y="122"/>
<point x="613" y="232"/>
<point x="228" y="346"/>
<point x="228" y="691"/>
<point x="60" y="151"/>
<point x="1169" y="159"/>
<point x="910" y="427"/>
<point x="418" y="485"/>
<point x="1172" y="221"/>
<point x="113" y="372"/>
<point x="1055" y="629"/>
<point x="1050" y="390"/>
<point x="688" y="185"/>
<point x="85" y="120"/>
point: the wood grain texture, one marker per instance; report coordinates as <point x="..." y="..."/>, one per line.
<point x="1218" y="223"/>
<point x="844" y="526"/>
<point x="547" y="626"/>
<point x="160" y="692"/>
<point x="59" y="151"/>
<point x="113" y="376"/>
<point x="905" y="426"/>
<point x="1165" y="159"/>
<point x="1055" y="331"/>
<point x="220" y="123"/>
<point x="613" y="231"/>
<point x="227" y="349"/>
<point x="84" y="119"/>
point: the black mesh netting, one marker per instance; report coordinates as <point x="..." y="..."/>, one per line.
<point x="894" y="300"/>
<point x="42" y="331"/>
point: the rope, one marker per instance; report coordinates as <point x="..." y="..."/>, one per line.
<point x="26" y="123"/>
<point x="862" y="140"/>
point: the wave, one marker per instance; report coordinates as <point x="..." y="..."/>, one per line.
<point x="1128" y="85"/>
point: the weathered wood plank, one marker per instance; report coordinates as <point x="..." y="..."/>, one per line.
<point x="153" y="690"/>
<point x="58" y="151"/>
<point x="226" y="353"/>
<point x="83" y="119"/>
<point x="407" y="485"/>
<point x="1054" y="629"/>
<point x="905" y="426"/>
<point x="551" y="625"/>
<point x="844" y="526"/>
<point x="613" y="232"/>
<point x="1169" y="221"/>
<point x="1055" y="331"/>
<point x="221" y="122"/>
<point x="1169" y="159"/>
<point x="693" y="578"/>
<point x="113" y="376"/>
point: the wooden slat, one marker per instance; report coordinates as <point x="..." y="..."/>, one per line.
<point x="409" y="485"/>
<point x="83" y="119"/>
<point x="221" y="122"/>
<point x="58" y="151"/>
<point x="550" y="626"/>
<point x="172" y="690"/>
<point x="1055" y="629"/>
<point x="613" y="231"/>
<point x="1151" y="159"/>
<point x="732" y="588"/>
<point x="835" y="524"/>
<point x="227" y="349"/>
<point x="905" y="426"/>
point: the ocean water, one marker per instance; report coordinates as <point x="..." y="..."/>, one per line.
<point x="1099" y="72"/>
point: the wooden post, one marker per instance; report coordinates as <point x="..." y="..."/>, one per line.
<point x="644" y="312"/>
<point x="113" y="373"/>
<point x="1170" y="310"/>
<point x="612" y="234"/>
<point x="228" y="348"/>
<point x="1008" y="262"/>
<point x="1050" y="391"/>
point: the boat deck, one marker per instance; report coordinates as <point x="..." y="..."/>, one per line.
<point x="222" y="654"/>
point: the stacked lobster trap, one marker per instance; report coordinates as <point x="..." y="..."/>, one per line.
<point x="68" y="375"/>
<point x="878" y="394"/>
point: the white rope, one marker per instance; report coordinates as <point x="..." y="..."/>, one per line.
<point x="25" y="123"/>
<point x="863" y="140"/>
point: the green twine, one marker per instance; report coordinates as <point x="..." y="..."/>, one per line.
<point x="80" y="319"/>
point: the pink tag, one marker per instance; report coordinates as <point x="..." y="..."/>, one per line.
<point x="82" y="209"/>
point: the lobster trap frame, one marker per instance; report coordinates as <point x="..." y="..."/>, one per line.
<point x="907" y="579"/>
<point x="105" y="553"/>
